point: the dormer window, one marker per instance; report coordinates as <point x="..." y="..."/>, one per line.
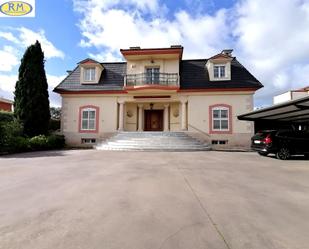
<point x="90" y="71"/>
<point x="89" y="74"/>
<point x="219" y="71"/>
<point x="219" y="66"/>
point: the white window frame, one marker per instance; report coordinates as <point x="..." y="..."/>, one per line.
<point x="91" y="75"/>
<point x="88" y="119"/>
<point x="220" y="71"/>
<point x="220" y="119"/>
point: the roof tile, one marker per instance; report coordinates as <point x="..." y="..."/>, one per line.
<point x="193" y="75"/>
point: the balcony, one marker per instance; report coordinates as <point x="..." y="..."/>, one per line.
<point x="149" y="79"/>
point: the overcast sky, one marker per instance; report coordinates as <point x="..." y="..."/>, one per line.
<point x="270" y="38"/>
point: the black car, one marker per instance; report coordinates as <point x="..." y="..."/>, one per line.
<point x="282" y="143"/>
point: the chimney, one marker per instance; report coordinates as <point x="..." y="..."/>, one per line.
<point x="227" y="52"/>
<point x="176" y="46"/>
<point x="135" y="48"/>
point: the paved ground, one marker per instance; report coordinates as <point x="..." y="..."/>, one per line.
<point x="127" y="200"/>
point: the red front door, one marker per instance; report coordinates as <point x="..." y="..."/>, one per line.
<point x="153" y="120"/>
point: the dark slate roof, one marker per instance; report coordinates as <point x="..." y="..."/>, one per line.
<point x="194" y="75"/>
<point x="111" y="79"/>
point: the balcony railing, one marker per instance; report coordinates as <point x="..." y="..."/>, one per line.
<point x="164" y="79"/>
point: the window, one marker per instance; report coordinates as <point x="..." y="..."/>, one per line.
<point x="89" y="74"/>
<point x="220" y="118"/>
<point x="88" y="140"/>
<point x="152" y="75"/>
<point x="221" y="142"/>
<point x="88" y="119"/>
<point x="219" y="71"/>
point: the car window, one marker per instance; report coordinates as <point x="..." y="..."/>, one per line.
<point x="264" y="133"/>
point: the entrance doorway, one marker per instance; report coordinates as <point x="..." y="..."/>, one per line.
<point x="153" y="120"/>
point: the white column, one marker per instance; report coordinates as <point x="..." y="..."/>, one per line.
<point x="166" y="121"/>
<point x="121" y="116"/>
<point x="140" y="117"/>
<point x="183" y="115"/>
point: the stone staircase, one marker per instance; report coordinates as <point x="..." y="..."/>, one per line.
<point x="152" y="141"/>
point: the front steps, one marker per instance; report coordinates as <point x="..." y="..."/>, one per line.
<point x="152" y="141"/>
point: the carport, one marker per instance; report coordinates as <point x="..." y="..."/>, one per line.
<point x="293" y="114"/>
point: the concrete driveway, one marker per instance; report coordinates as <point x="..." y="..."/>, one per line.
<point x="138" y="200"/>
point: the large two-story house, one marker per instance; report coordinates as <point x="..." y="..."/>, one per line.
<point x="156" y="90"/>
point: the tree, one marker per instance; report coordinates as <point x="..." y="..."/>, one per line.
<point x="55" y="113"/>
<point x="31" y="103"/>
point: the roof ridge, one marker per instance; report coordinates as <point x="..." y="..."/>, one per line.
<point x="204" y="59"/>
<point x="194" y="59"/>
<point x="116" y="62"/>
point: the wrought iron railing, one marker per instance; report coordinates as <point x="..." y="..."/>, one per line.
<point x="165" y="79"/>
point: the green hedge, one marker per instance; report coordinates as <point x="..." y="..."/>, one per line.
<point x="12" y="140"/>
<point x="56" y="141"/>
<point x="6" y="116"/>
<point x="42" y="142"/>
<point x="9" y="134"/>
<point x="17" y="144"/>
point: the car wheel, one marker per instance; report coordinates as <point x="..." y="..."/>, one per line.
<point x="262" y="153"/>
<point x="283" y="153"/>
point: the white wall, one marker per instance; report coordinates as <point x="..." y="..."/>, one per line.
<point x="287" y="96"/>
<point x="70" y="117"/>
<point x="198" y="117"/>
<point x="282" y="97"/>
<point x="198" y="110"/>
<point x="166" y="66"/>
<point x="299" y="95"/>
<point x="175" y="114"/>
<point x="130" y="117"/>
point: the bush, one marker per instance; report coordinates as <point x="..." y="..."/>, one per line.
<point x="13" y="128"/>
<point x="55" y="141"/>
<point x="12" y="141"/>
<point x="9" y="132"/>
<point x="38" y="142"/>
<point x="6" y="116"/>
<point x="42" y="142"/>
<point x="18" y="144"/>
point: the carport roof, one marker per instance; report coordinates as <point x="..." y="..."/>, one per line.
<point x="295" y="111"/>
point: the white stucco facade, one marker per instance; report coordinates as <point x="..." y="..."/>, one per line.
<point x="151" y="98"/>
<point x="196" y="116"/>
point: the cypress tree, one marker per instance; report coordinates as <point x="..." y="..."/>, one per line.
<point x="31" y="103"/>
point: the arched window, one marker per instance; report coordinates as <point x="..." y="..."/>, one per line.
<point x="88" y="121"/>
<point x="220" y="119"/>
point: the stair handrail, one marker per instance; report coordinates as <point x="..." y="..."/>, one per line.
<point x="204" y="133"/>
